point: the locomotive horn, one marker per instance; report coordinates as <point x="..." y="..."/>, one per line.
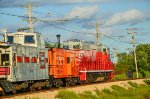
<point x="58" y="40"/>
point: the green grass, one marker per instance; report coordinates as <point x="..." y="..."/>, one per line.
<point x="88" y="95"/>
<point x="116" y="92"/>
<point x="132" y="84"/>
<point x="66" y="94"/>
<point x="31" y="98"/>
<point x="147" y="82"/>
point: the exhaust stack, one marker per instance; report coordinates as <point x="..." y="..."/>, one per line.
<point x="58" y="40"/>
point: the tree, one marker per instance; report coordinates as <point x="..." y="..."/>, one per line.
<point x="52" y="44"/>
<point x="143" y="56"/>
<point x="126" y="60"/>
<point x="124" y="63"/>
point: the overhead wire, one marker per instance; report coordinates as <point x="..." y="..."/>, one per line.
<point x="47" y="22"/>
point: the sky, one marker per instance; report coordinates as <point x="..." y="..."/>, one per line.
<point x="77" y="17"/>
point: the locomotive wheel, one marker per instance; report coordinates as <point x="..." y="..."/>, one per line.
<point x="107" y="78"/>
<point x="3" y="93"/>
<point x="32" y="89"/>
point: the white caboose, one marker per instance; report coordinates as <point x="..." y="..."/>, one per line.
<point x="23" y="62"/>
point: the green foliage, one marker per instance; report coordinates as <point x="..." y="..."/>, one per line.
<point x="31" y="98"/>
<point x="52" y="45"/>
<point x="135" y="75"/>
<point x="145" y="74"/>
<point x="118" y="88"/>
<point x="143" y="56"/>
<point x="65" y="94"/>
<point x="88" y="95"/>
<point x="147" y="82"/>
<point x="107" y="91"/>
<point x="97" y="91"/>
<point x="133" y="84"/>
<point x="119" y="77"/>
<point x="117" y="92"/>
<point x="126" y="61"/>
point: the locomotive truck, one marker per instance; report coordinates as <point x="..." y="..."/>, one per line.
<point x="26" y="64"/>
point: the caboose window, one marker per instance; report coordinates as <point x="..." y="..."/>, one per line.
<point x="68" y="60"/>
<point x="10" y="38"/>
<point x="29" y="39"/>
<point x="5" y="59"/>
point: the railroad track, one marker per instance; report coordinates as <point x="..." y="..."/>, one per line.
<point x="53" y="89"/>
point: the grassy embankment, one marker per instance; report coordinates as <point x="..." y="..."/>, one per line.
<point x="116" y="92"/>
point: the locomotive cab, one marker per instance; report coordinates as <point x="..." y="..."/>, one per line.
<point x="27" y="39"/>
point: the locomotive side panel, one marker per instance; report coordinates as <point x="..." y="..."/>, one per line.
<point x="75" y="64"/>
<point x="56" y="62"/>
<point x="30" y="63"/>
<point x="63" y="63"/>
<point x="95" y="65"/>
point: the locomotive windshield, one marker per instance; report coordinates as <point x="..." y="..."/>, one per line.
<point x="29" y="39"/>
<point x="10" y="39"/>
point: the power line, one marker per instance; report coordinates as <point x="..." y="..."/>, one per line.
<point x="82" y="32"/>
<point x="47" y="22"/>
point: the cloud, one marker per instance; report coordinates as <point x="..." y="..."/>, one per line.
<point x="82" y="12"/>
<point x="81" y="1"/>
<point x="132" y="16"/>
<point x="16" y="3"/>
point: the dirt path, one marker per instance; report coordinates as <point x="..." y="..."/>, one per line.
<point x="52" y="94"/>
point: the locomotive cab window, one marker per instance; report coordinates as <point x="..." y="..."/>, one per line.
<point x="68" y="60"/>
<point x="10" y="39"/>
<point x="29" y="39"/>
<point x="5" y="60"/>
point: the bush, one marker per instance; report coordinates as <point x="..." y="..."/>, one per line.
<point x="119" y="77"/>
<point x="140" y="75"/>
<point x="145" y="73"/>
<point x="132" y="84"/>
<point x="147" y="82"/>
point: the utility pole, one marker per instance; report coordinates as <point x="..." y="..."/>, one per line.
<point x="97" y="35"/>
<point x="131" y="31"/>
<point x="115" y="55"/>
<point x="30" y="17"/>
